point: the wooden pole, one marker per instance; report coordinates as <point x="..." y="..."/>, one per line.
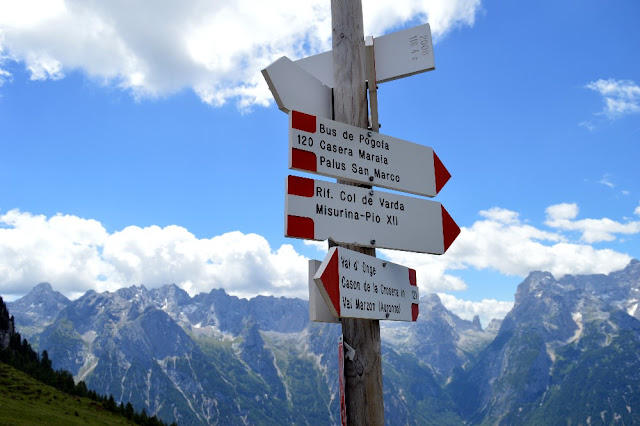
<point x="363" y="374"/>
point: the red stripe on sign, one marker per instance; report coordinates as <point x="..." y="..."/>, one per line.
<point x="415" y="310"/>
<point x="441" y="173"/>
<point x="450" y="229"/>
<point x="300" y="186"/>
<point x="331" y="281"/>
<point x="303" y="160"/>
<point x="300" y="227"/>
<point x="412" y="277"/>
<point x="302" y="121"/>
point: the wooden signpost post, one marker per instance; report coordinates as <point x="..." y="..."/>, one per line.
<point x="363" y="375"/>
<point x="330" y="134"/>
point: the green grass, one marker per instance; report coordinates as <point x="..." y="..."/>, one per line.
<point x="26" y="401"/>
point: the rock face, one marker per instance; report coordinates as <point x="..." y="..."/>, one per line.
<point x="566" y="353"/>
<point x="37" y="310"/>
<point x="568" y="340"/>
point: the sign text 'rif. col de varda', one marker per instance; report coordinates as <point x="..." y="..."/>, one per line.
<point x="334" y="149"/>
<point x="319" y="210"/>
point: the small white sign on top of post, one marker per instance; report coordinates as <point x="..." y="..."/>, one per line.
<point x="404" y="53"/>
<point x="397" y="55"/>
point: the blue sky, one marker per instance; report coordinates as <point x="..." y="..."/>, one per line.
<point x="142" y="146"/>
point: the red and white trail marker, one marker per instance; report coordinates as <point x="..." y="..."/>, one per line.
<point x="319" y="210"/>
<point x="330" y="148"/>
<point x="318" y="309"/>
<point x="356" y="285"/>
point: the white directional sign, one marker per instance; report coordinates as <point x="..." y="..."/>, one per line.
<point x="400" y="54"/>
<point x="355" y="285"/>
<point x="334" y="149"/>
<point x="293" y="88"/>
<point x="320" y="66"/>
<point x="318" y="210"/>
<point x="404" y="53"/>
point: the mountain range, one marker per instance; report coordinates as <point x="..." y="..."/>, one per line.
<point x="567" y="353"/>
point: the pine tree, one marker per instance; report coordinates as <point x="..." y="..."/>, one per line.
<point x="110" y="404"/>
<point x="45" y="361"/>
<point x="81" y="389"/>
<point x="4" y="317"/>
<point x="128" y="411"/>
<point x="19" y="354"/>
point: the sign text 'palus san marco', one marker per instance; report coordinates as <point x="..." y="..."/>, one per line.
<point x="334" y="149"/>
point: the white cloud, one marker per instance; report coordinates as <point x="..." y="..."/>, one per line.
<point x="59" y="249"/>
<point x="487" y="309"/>
<point x="381" y="15"/>
<point x="561" y="216"/>
<point x="77" y="254"/>
<point x="214" y="48"/>
<point x="5" y="76"/>
<point x="621" y="97"/>
<point x="321" y="246"/>
<point x="587" y="125"/>
<point x="606" y="181"/>
<point x="561" y="213"/>
<point x="502" y="242"/>
<point x="637" y="210"/>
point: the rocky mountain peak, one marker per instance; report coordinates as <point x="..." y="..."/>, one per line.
<point x="37" y="309"/>
<point x="631" y="274"/>
<point x="547" y="343"/>
<point x="533" y="285"/>
<point x="476" y="322"/>
<point x="494" y="326"/>
<point x="43" y="293"/>
<point x="431" y="303"/>
<point x="171" y="294"/>
<point x="133" y="292"/>
<point x="42" y="288"/>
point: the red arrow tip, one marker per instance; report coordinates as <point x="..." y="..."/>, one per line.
<point x="331" y="281"/>
<point x="450" y="229"/>
<point x="441" y="172"/>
